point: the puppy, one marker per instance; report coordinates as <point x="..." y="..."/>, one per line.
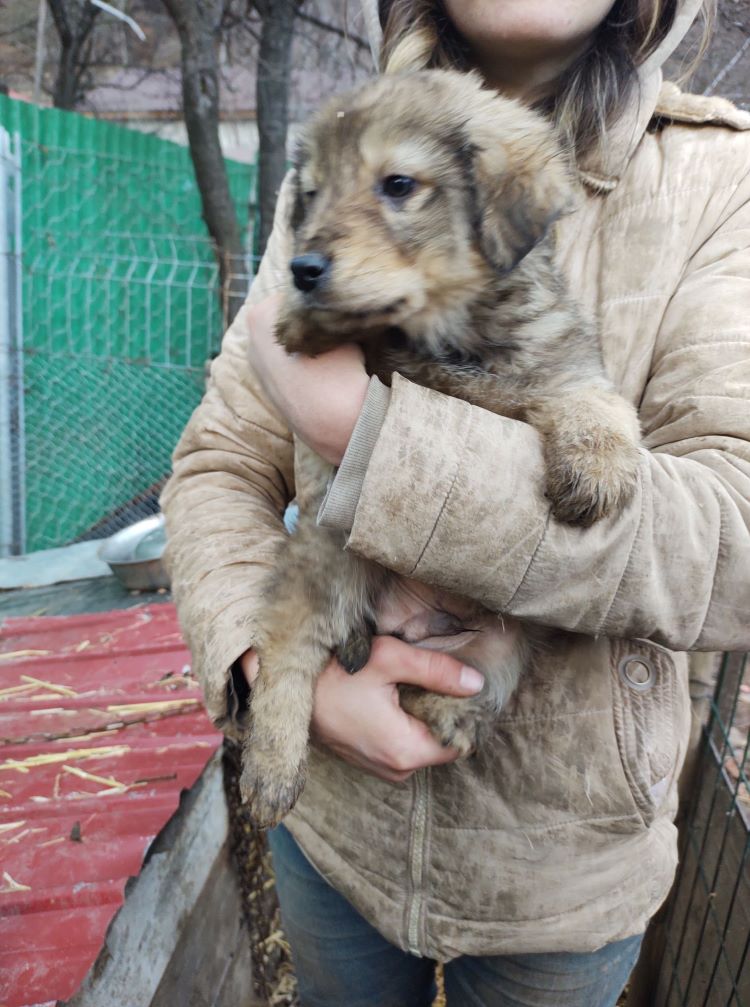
<point x="422" y="223"/>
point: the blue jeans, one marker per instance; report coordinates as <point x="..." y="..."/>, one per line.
<point x="342" y="961"/>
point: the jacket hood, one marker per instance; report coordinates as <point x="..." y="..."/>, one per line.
<point x="602" y="166"/>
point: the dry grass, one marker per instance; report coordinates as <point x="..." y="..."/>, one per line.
<point x="274" y="981"/>
<point x="440" y="998"/>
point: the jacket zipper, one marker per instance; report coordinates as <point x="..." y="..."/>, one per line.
<point x="417" y="856"/>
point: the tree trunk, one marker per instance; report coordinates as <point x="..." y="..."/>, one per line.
<point x="65" y="92"/>
<point x="198" y="23"/>
<point x="272" y="103"/>
<point x="74" y="20"/>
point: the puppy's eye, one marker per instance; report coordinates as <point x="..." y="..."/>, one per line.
<point x="398" y="186"/>
<point x="310" y="193"/>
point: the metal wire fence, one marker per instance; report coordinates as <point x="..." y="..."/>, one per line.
<point x="118" y="310"/>
<point x="115" y="366"/>
<point x="706" y="963"/>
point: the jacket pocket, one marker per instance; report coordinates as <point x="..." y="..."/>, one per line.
<point x="650" y="718"/>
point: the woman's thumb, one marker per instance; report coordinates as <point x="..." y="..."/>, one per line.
<point x="408" y="664"/>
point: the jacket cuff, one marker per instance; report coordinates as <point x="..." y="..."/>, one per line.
<point x="216" y="664"/>
<point x="340" y="502"/>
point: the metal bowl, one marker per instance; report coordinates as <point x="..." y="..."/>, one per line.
<point x="134" y="555"/>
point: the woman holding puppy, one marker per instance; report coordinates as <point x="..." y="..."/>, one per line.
<point x="533" y="868"/>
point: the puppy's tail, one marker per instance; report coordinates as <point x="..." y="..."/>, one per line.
<point x="410" y="50"/>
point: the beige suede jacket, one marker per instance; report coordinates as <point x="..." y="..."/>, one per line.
<point x="558" y="835"/>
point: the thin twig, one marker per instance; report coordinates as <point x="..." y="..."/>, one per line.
<point x="334" y="29"/>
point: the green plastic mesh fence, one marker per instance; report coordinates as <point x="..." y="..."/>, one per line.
<point x="119" y="314"/>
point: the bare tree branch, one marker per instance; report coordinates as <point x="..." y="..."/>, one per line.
<point x="74" y="21"/>
<point x="16" y="29"/>
<point x="334" y="29"/>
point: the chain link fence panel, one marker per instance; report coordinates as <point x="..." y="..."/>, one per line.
<point x="706" y="960"/>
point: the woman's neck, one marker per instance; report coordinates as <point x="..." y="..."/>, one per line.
<point x="527" y="75"/>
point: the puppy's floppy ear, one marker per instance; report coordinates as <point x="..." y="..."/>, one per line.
<point x="522" y="185"/>
<point x="297" y="211"/>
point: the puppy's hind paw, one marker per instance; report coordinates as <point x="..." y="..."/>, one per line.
<point x="269" y="799"/>
<point x="454" y="722"/>
<point x="455" y="730"/>
<point x="354" y="652"/>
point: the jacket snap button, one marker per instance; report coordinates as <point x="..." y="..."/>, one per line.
<point x="637" y="673"/>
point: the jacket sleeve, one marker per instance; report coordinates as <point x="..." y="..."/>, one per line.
<point x="464" y="508"/>
<point x="233" y="475"/>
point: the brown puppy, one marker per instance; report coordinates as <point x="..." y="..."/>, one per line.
<point x="422" y="220"/>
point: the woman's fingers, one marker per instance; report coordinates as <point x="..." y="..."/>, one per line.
<point x="359" y="716"/>
<point x="249" y="664"/>
<point x="414" y="747"/>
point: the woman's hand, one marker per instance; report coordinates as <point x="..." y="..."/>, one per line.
<point x="359" y="717"/>
<point x="319" y="397"/>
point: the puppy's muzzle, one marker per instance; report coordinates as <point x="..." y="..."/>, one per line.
<point x="309" y="271"/>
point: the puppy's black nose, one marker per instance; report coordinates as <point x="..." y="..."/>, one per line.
<point x="309" y="270"/>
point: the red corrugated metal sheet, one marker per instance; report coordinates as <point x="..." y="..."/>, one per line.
<point x="101" y="727"/>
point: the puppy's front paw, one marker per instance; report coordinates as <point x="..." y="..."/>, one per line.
<point x="585" y="486"/>
<point x="295" y="333"/>
<point x="291" y="332"/>
<point x="270" y="789"/>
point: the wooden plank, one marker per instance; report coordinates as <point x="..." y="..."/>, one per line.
<point x="159" y="903"/>
<point x="211" y="963"/>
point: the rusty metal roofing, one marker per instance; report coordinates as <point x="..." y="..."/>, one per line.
<point x="101" y="728"/>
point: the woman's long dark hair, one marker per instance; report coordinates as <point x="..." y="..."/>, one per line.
<point x="589" y="95"/>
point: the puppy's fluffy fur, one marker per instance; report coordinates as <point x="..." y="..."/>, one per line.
<point x="449" y="278"/>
